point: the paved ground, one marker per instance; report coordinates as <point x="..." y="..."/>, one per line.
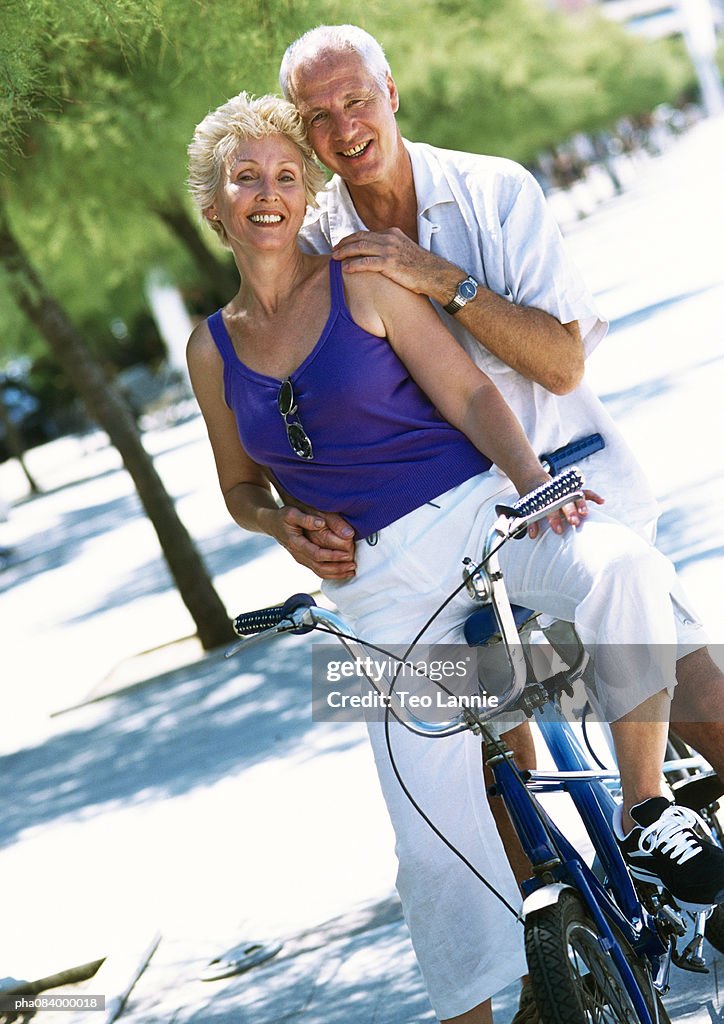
<point x="198" y="801"/>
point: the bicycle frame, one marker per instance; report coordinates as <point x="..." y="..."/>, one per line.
<point x="556" y="860"/>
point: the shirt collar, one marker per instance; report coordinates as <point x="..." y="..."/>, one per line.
<point x="431" y="183"/>
<point x="342" y="215"/>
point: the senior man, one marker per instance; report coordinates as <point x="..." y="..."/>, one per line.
<point x="473" y="233"/>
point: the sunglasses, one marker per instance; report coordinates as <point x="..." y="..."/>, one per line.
<point x="296" y="434"/>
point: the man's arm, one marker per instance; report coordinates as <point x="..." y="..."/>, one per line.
<point x="529" y="340"/>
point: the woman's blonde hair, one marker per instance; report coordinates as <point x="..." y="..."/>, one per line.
<point x="217" y="137"/>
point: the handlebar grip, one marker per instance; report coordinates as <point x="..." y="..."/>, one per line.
<point x="537" y="502"/>
<point x="266" y="618"/>
<point x="561" y="458"/>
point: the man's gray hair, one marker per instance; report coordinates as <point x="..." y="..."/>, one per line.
<point x="332" y="39"/>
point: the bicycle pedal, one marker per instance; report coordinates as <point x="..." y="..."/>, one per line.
<point x="692" y="962"/>
<point x="698" y="792"/>
<point x="672" y="919"/>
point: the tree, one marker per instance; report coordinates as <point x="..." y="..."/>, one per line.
<point x="15" y="445"/>
<point x="220" y="278"/>
<point x="46" y="85"/>
<point x="109" y="409"/>
<point x="103" y="97"/>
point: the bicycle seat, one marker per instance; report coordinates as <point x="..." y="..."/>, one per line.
<point x="482" y="624"/>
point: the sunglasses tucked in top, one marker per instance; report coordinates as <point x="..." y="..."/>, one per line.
<point x="296" y="434"/>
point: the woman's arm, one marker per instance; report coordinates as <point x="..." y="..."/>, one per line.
<point x="463" y="394"/>
<point x="245" y="488"/>
<point x="244" y="484"/>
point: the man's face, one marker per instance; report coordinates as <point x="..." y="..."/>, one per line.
<point x="350" y="117"/>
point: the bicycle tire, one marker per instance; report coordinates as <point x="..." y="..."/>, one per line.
<point x="574" y="980"/>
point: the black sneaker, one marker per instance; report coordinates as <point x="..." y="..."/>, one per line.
<point x="670" y="847"/>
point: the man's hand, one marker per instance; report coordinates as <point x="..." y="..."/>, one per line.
<point x="320" y="541"/>
<point x="396" y="256"/>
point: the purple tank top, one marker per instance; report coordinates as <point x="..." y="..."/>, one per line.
<point x="381" y="449"/>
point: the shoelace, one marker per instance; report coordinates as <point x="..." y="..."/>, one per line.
<point x="674" y="834"/>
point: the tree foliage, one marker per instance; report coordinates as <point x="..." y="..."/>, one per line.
<point x="105" y="102"/>
<point x="101" y="97"/>
<point x="513" y="78"/>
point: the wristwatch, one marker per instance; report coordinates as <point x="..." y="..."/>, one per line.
<point x="466" y="292"/>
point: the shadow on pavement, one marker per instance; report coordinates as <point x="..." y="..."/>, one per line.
<point x="223" y="551"/>
<point x="370" y="977"/>
<point x="637" y="316"/>
<point x="186" y="729"/>
<point x="59" y="544"/>
<point x="684" y="529"/>
<point x="62" y="542"/>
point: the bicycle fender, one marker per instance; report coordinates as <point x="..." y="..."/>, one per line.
<point x="546" y="896"/>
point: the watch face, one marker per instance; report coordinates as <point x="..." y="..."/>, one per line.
<point x="468" y="290"/>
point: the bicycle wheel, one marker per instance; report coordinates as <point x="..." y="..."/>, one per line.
<point x="574" y="980"/>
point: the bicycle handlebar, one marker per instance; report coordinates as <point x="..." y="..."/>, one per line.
<point x="262" y="619"/>
<point x="566" y="487"/>
<point x="568" y="454"/>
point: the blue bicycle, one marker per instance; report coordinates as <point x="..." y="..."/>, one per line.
<point x="599" y="948"/>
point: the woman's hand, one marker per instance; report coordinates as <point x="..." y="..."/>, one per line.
<point x="320" y="541"/>
<point x="571" y="514"/>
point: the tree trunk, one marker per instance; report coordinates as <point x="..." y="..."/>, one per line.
<point x="15" y="445"/>
<point x="220" y="278"/>
<point x="107" y="407"/>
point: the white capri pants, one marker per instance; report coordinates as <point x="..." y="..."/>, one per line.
<point x="613" y="585"/>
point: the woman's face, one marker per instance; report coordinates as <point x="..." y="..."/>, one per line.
<point x="261" y="201"/>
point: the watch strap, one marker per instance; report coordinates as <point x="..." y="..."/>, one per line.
<point x="454" y="305"/>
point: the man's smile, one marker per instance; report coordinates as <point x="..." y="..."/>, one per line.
<point x="356" y="151"/>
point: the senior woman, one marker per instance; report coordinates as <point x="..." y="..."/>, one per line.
<point x="350" y="394"/>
